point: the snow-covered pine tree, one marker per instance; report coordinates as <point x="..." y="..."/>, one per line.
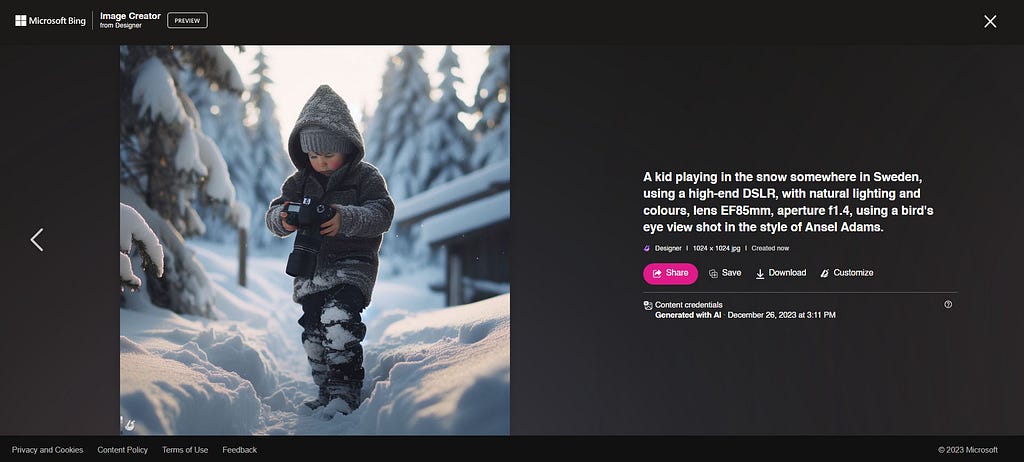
<point x="446" y="141"/>
<point x="221" y="113"/>
<point x="268" y="153"/>
<point x="168" y="163"/>
<point x="377" y="123"/>
<point x="401" y="150"/>
<point x="493" y="103"/>
<point x="392" y="136"/>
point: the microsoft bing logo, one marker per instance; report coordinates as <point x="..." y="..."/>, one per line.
<point x="20" y="20"/>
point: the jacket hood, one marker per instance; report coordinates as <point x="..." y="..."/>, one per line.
<point x="327" y="110"/>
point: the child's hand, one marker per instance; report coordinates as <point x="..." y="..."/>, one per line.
<point x="287" y="227"/>
<point x="330" y="227"/>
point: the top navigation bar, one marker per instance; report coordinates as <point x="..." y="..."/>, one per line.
<point x="114" y="20"/>
<point x="698" y="25"/>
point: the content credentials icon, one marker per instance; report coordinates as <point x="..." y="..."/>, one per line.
<point x="672" y="274"/>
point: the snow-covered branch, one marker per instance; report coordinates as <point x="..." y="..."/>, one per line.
<point x="155" y="93"/>
<point x="134" y="229"/>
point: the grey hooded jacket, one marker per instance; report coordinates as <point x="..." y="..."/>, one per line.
<point x="358" y="192"/>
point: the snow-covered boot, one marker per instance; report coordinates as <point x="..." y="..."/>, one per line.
<point x="344" y="395"/>
<point x="320" y="401"/>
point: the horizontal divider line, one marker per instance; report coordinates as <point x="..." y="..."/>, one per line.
<point x="804" y="292"/>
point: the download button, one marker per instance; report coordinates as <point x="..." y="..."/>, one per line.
<point x="670" y="274"/>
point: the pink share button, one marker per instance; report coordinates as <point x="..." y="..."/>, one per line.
<point x="671" y="274"/>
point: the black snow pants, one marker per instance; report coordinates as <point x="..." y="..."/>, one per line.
<point x="331" y="335"/>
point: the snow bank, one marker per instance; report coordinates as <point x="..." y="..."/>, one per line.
<point x="431" y="371"/>
<point x="443" y="372"/>
<point x="182" y="392"/>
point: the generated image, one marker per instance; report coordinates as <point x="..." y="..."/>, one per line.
<point x="314" y="240"/>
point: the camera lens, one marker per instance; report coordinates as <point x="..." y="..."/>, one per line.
<point x="302" y="260"/>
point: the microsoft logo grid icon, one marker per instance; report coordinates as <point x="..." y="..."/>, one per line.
<point x="20" y="20"/>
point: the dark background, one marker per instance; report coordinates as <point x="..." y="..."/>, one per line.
<point x="590" y="120"/>
<point x="60" y="315"/>
<point x="589" y="360"/>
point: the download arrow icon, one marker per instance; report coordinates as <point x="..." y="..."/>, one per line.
<point x="33" y="240"/>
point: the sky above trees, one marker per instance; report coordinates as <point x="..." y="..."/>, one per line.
<point x="354" y="72"/>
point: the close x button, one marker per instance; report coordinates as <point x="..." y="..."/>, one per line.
<point x="188" y="20"/>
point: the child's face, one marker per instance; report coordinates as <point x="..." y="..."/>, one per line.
<point x="326" y="162"/>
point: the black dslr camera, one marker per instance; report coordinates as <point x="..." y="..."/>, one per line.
<point x="307" y="216"/>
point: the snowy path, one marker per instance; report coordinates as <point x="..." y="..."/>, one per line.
<point x="430" y="370"/>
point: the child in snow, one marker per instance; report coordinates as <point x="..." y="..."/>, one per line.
<point x="327" y="150"/>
